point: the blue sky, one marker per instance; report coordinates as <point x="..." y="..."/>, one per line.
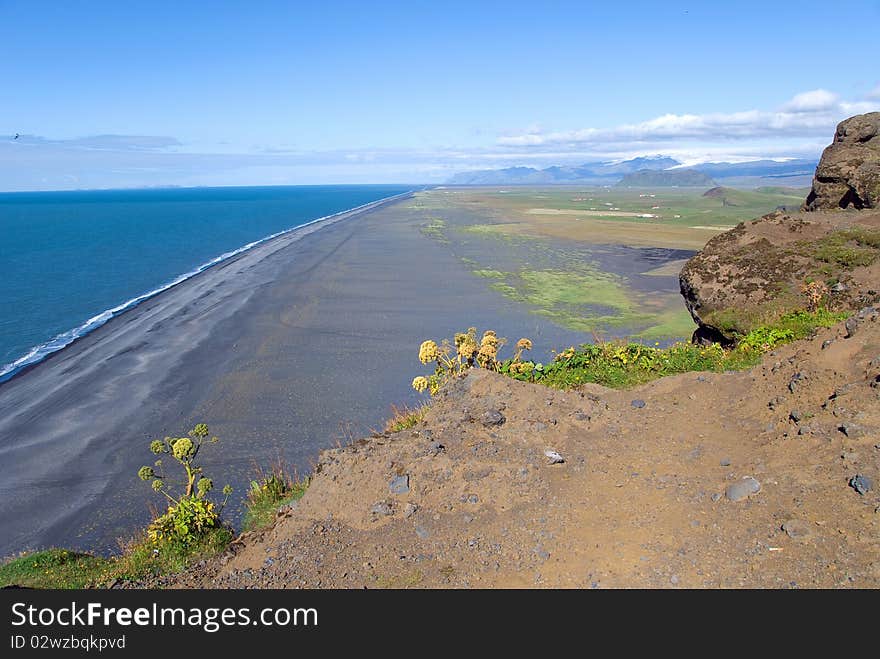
<point x="121" y="94"/>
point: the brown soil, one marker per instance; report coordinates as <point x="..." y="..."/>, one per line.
<point x="639" y="501"/>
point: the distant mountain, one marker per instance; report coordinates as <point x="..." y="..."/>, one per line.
<point x="652" y="178"/>
<point x="762" y="168"/>
<point x="597" y="172"/>
<point x="747" y="174"/>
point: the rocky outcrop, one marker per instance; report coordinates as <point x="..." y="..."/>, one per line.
<point x="755" y="272"/>
<point x="751" y="274"/>
<point x="848" y="175"/>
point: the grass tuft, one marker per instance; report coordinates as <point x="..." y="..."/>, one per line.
<point x="268" y="492"/>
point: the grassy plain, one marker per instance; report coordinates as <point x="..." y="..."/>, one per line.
<point x="570" y="251"/>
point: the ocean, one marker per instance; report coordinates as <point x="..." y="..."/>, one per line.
<point x="70" y="261"/>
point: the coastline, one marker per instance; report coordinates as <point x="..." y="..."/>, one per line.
<point x="37" y="354"/>
<point x="284" y="350"/>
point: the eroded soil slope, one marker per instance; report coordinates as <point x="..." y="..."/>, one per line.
<point x="643" y="498"/>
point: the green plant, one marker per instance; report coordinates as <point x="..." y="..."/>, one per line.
<point x="268" y="492"/>
<point x="621" y="365"/>
<point x="403" y="418"/>
<point x="190" y="515"/>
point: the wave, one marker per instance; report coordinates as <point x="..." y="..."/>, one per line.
<point x="40" y="352"/>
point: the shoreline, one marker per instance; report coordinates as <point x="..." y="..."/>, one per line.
<point x="39" y="353"/>
<point x="284" y="350"/>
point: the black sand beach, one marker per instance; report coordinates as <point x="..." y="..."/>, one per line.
<point x="294" y="346"/>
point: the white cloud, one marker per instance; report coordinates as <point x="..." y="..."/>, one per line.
<point x="817" y="100"/>
<point x="874" y="94"/>
<point x="809" y="114"/>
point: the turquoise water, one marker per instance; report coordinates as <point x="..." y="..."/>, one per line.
<point x="71" y="260"/>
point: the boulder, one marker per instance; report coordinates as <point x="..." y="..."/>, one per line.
<point x="848" y="175"/>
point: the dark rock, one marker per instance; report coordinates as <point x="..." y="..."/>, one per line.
<point x="492" y="418"/>
<point x="399" y="484"/>
<point x="826" y="343"/>
<point x="638" y="403"/>
<point x="861" y="484"/>
<point x="848" y="174"/>
<point x="795" y="416"/>
<point x="742" y="489"/>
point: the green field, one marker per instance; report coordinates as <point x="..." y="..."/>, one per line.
<point x="534" y="245"/>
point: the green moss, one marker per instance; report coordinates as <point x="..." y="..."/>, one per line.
<point x="848" y="248"/>
<point x="490" y="274"/>
<point x="673" y="323"/>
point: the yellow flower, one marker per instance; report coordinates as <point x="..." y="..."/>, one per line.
<point x="420" y="383"/>
<point x="428" y="352"/>
<point x="524" y="344"/>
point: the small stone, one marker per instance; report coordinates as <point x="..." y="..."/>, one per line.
<point x="725" y="462"/>
<point x="851" y="326"/>
<point x="797" y="529"/>
<point x="399" y="484"/>
<point x="795" y="415"/>
<point x="702" y="378"/>
<point x="435" y="448"/>
<point x="716" y="497"/>
<point x="638" y="403"/>
<point x="826" y="343"/>
<point x="861" y="484"/>
<point x="742" y="489"/>
<point x="839" y="287"/>
<point x="553" y="457"/>
<point x="471" y="498"/>
<point x="492" y="418"/>
<point x="581" y="416"/>
<point x="851" y="430"/>
<point x="409" y="510"/>
<point x="382" y="508"/>
<point x="674" y="579"/>
<point x="422" y="532"/>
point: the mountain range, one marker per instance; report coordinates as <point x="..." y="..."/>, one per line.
<point x="795" y="172"/>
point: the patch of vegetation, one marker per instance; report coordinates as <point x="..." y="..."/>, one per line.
<point x="676" y="322"/>
<point x="189" y="530"/>
<point x="435" y="230"/>
<point x="268" y="492"/>
<point x="404" y="418"/>
<point x="490" y="274"/>
<point x="465" y="352"/>
<point x="66" y="569"/>
<point x="848" y="248"/>
<point x="55" y="568"/>
<point x="623" y="365"/>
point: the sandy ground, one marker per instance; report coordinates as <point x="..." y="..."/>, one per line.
<point x="295" y="346"/>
